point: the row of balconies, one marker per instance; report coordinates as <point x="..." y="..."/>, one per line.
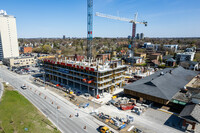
<point x="101" y="84"/>
<point x="81" y="77"/>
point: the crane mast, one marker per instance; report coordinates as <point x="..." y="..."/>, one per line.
<point x="89" y="28"/>
<point x="133" y="21"/>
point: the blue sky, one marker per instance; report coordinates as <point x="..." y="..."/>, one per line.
<point x="54" y="18"/>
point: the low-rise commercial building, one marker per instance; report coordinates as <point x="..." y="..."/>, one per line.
<point x="86" y="76"/>
<point x="162" y="87"/>
<point x="19" y="61"/>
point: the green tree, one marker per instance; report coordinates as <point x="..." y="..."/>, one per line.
<point x="37" y="50"/>
<point x="46" y="48"/>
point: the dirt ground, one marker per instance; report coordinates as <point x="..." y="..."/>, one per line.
<point x="76" y="101"/>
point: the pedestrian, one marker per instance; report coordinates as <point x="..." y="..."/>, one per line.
<point x="77" y="115"/>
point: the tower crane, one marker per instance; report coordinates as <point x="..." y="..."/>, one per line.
<point x="89" y="28"/>
<point x="133" y="21"/>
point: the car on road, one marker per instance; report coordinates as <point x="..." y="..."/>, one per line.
<point x="24" y="87"/>
<point x="104" y="129"/>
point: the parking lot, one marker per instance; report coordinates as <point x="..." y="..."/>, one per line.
<point x="25" y="70"/>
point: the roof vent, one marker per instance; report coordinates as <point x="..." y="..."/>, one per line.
<point x="161" y="73"/>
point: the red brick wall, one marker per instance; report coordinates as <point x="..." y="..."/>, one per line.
<point x="28" y="49"/>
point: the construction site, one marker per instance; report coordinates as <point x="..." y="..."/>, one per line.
<point x="88" y="77"/>
<point x="89" y="74"/>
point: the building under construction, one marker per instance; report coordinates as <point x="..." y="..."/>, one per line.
<point x="94" y="77"/>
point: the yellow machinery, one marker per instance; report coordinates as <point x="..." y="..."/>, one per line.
<point x="105" y="130"/>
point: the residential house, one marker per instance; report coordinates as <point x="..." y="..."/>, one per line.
<point x="191" y="65"/>
<point x="104" y="57"/>
<point x="170" y="62"/>
<point x="143" y="55"/>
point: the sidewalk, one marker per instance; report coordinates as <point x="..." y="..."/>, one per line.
<point x="107" y="96"/>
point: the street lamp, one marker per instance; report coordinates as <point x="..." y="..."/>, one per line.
<point x="94" y="97"/>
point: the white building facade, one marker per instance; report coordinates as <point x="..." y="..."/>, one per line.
<point x="8" y="36"/>
<point x="186" y="56"/>
<point x="171" y="47"/>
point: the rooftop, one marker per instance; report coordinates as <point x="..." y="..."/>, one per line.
<point x="191" y="112"/>
<point x="156" y="54"/>
<point x="96" y="65"/>
<point x="163" y="84"/>
<point x="20" y="57"/>
<point x="171" y="59"/>
<point x="4" y="14"/>
<point x="186" y="53"/>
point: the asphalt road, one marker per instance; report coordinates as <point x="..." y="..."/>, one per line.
<point x="55" y="109"/>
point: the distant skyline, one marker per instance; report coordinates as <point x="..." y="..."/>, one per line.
<point x="55" y="18"/>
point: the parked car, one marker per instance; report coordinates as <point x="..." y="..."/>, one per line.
<point x="136" y="130"/>
<point x="111" y="102"/>
<point x="84" y="105"/>
<point x="87" y="95"/>
<point x="78" y="93"/>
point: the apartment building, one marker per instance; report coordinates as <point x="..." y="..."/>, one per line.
<point x="91" y="77"/>
<point x="8" y="36"/>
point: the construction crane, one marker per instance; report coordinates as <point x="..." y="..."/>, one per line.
<point x="133" y="21"/>
<point x="89" y="28"/>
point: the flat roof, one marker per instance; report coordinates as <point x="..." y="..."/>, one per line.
<point x="101" y="68"/>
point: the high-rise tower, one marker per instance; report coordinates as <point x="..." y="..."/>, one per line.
<point x="89" y="28"/>
<point x="8" y="36"/>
